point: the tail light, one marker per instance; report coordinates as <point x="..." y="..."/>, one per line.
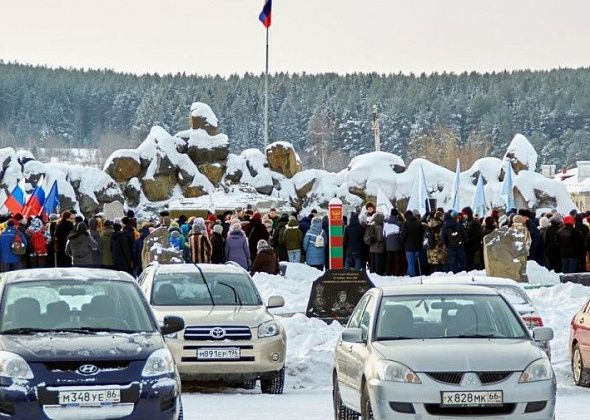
<point x="533" y="321"/>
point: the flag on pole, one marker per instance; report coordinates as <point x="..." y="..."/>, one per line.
<point x="479" y="205"/>
<point x="384" y="206"/>
<point x="265" y="14"/>
<point x="419" y="198"/>
<point x="15" y="202"/>
<point x="507" y="192"/>
<point x="35" y="202"/>
<point x="456" y="186"/>
<point x="211" y="204"/>
<point x="51" y="204"/>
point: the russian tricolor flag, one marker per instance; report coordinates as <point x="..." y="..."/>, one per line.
<point x="16" y="200"/>
<point x="265" y="14"/>
<point x="35" y="202"/>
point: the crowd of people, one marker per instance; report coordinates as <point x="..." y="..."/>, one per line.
<point x="397" y="244"/>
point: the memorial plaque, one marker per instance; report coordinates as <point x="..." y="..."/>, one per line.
<point x="335" y="294"/>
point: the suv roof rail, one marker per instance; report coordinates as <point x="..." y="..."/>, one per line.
<point x="234" y="264"/>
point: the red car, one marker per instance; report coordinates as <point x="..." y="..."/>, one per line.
<point x="580" y="346"/>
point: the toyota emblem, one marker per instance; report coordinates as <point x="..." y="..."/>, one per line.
<point x="217" y="333"/>
<point x="88" y="370"/>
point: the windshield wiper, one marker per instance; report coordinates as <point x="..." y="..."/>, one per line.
<point x="397" y="338"/>
<point x="233" y="289"/>
<point x="99" y="329"/>
<point x="473" y="336"/>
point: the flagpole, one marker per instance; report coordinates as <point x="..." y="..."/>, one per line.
<point x="266" y="96"/>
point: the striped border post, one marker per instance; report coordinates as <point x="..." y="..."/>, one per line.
<point x="336" y="234"/>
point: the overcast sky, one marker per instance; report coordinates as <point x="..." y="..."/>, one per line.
<point x="225" y="36"/>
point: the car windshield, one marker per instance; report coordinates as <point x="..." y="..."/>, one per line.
<point x="191" y="289"/>
<point x="446" y="316"/>
<point x="84" y="306"/>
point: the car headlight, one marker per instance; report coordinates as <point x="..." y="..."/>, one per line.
<point x="160" y="362"/>
<point x="396" y="372"/>
<point x="269" y="329"/>
<point x="13" y="366"/>
<point x="539" y="370"/>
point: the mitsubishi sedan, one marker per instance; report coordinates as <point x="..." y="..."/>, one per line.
<point x="83" y="344"/>
<point x="432" y="351"/>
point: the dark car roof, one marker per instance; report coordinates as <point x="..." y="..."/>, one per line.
<point x="73" y="273"/>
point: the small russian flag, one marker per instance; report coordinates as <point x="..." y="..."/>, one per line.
<point x="35" y="203"/>
<point x="16" y="200"/>
<point x="265" y="14"/>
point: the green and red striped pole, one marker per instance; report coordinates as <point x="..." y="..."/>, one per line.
<point x="336" y="234"/>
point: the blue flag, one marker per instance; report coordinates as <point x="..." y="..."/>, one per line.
<point x="51" y="204"/>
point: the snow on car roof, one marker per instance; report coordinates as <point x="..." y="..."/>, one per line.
<point x="69" y="273"/>
<point x="466" y="279"/>
<point x="207" y="268"/>
<point x="436" y="289"/>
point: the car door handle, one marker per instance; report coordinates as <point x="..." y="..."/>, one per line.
<point x="581" y="320"/>
<point x="350" y="348"/>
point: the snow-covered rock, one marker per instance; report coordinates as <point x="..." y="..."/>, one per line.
<point x="203" y="117"/>
<point x="522" y="154"/>
<point x="123" y="164"/>
<point x="283" y="158"/>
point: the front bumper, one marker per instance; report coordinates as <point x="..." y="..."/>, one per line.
<point x="157" y="398"/>
<point x="422" y="401"/>
<point x="259" y="357"/>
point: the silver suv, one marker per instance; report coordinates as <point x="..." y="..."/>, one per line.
<point x="229" y="336"/>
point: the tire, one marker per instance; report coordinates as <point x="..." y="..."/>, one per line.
<point x="366" y="407"/>
<point x="580" y="372"/>
<point x="274" y="383"/>
<point x="341" y="412"/>
<point x="249" y="384"/>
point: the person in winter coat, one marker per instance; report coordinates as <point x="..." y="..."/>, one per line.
<point x="266" y="261"/>
<point x="551" y="244"/>
<point x="80" y="247"/>
<point x="374" y="238"/>
<point x="412" y="237"/>
<point x="584" y="232"/>
<point x="236" y="246"/>
<point x="9" y="261"/>
<point x="217" y="245"/>
<point x="394" y="258"/>
<point x="437" y="251"/>
<point x="489" y="225"/>
<point x="314" y="243"/>
<point x="256" y="231"/>
<point x="121" y="250"/>
<point x="106" y="237"/>
<point x="473" y="242"/>
<point x="292" y="239"/>
<point x="199" y="245"/>
<point x="353" y="242"/>
<point x="94" y="228"/>
<point x="569" y="240"/>
<point x="144" y="231"/>
<point x="279" y="248"/>
<point x="453" y="236"/>
<point x="64" y="227"/>
<point x="38" y="240"/>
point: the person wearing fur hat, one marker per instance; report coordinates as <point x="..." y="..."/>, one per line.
<point x="217" y="245"/>
<point x="266" y="261"/>
<point x="569" y="240"/>
<point x="80" y="246"/>
<point x="236" y="246"/>
<point x="199" y="244"/>
<point x="436" y="251"/>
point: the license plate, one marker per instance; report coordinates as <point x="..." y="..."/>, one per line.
<point x="219" y="354"/>
<point x="98" y="397"/>
<point x="472" y="399"/>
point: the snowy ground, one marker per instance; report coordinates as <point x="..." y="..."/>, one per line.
<point x="310" y="349"/>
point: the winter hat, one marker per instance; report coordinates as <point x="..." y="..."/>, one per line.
<point x="544" y="222"/>
<point x="53" y="217"/>
<point x="573" y="212"/>
<point x="236" y="227"/>
<point x="292" y="218"/>
<point x="569" y="220"/>
<point x="438" y="215"/>
<point x="108" y="223"/>
<point x="36" y="225"/>
<point x="212" y="218"/>
<point x="218" y="229"/>
<point x="81" y="227"/>
<point x="394" y="212"/>
<point x="197" y="228"/>
<point x="10" y="223"/>
<point x="262" y="244"/>
<point x="18" y="217"/>
<point x="467" y="211"/>
<point x="117" y="227"/>
<point x="199" y="221"/>
<point x="489" y="221"/>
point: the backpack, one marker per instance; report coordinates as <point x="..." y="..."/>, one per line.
<point x="319" y="241"/>
<point x="455" y="237"/>
<point x="18" y="247"/>
<point x="175" y="242"/>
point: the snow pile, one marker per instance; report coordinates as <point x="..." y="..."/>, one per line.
<point x="200" y="139"/>
<point x="521" y="150"/>
<point x="373" y="170"/>
<point x="200" y="109"/>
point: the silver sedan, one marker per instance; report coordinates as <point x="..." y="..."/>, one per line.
<point x="438" y="351"/>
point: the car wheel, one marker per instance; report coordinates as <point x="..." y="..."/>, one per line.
<point x="367" y="409"/>
<point x="249" y="384"/>
<point x="581" y="373"/>
<point x="273" y="384"/>
<point x="341" y="412"/>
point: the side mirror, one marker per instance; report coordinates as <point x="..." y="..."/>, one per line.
<point x="172" y="324"/>
<point x="352" y="335"/>
<point x="543" y="334"/>
<point x="275" y="302"/>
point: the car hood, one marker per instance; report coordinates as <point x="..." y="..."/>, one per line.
<point x="45" y="347"/>
<point x="450" y="355"/>
<point x="251" y="316"/>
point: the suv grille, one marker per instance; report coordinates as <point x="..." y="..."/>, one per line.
<point x="217" y="333"/>
<point x="454" y="378"/>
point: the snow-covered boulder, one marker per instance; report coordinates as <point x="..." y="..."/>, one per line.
<point x="203" y="148"/>
<point x="123" y="165"/>
<point x="370" y="171"/>
<point x="132" y="192"/>
<point x="282" y="158"/>
<point x="213" y="171"/>
<point x="522" y="154"/>
<point x="203" y="117"/>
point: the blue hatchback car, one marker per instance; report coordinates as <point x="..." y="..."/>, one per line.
<point x="83" y="344"/>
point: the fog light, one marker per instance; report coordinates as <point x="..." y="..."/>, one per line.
<point x="275" y="357"/>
